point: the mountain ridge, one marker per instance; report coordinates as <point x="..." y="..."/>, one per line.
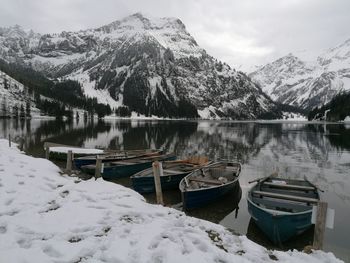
<point x="306" y="83"/>
<point x="152" y="66"/>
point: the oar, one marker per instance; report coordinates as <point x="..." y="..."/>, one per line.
<point x="274" y="174"/>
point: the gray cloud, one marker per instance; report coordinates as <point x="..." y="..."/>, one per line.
<point x="241" y="33"/>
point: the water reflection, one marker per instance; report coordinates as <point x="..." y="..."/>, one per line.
<point x="299" y="242"/>
<point x="321" y="152"/>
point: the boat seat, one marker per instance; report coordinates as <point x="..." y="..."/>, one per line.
<point x="217" y="172"/>
<point x="124" y="163"/>
<point x="207" y="181"/>
<point x="290" y="186"/>
<point x="286" y="197"/>
<point x="280" y="204"/>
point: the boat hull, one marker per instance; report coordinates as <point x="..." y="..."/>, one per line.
<point x="78" y="163"/>
<point x="145" y="184"/>
<point x="202" y="197"/>
<point x="119" y="171"/>
<point x="279" y="227"/>
<point x="88" y="160"/>
<point x="60" y="156"/>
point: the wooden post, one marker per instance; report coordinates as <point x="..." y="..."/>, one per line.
<point x="47" y="150"/>
<point x="21" y="145"/>
<point x="157" y="173"/>
<point x="320" y="225"/>
<point x="98" y="167"/>
<point x="69" y="161"/>
<point x="10" y="140"/>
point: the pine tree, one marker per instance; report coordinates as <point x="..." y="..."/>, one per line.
<point x="85" y="116"/>
<point x="28" y="110"/>
<point x="21" y="112"/>
<point x="15" y="111"/>
<point x="6" y="86"/>
<point x="4" y="107"/>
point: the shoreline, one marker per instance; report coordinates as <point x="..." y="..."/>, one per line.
<point x="48" y="216"/>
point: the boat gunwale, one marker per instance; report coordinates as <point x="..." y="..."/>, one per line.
<point x="277" y="212"/>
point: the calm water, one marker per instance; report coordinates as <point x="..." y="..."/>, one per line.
<point x="320" y="152"/>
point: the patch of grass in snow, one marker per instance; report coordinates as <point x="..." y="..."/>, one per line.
<point x="105" y="231"/>
<point x="215" y="237"/>
<point x="64" y="194"/>
<point x="273" y="257"/>
<point x="52" y="206"/>
<point x="74" y="239"/>
<point x="131" y="219"/>
<point x="126" y="218"/>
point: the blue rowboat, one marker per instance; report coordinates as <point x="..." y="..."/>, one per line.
<point x="126" y="168"/>
<point x="173" y="172"/>
<point x="114" y="156"/>
<point x="209" y="184"/>
<point x="282" y="208"/>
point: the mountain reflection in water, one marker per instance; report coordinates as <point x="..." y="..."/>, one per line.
<point x="321" y="152"/>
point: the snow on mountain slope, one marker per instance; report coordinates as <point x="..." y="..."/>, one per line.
<point x="151" y="65"/>
<point x="305" y="81"/>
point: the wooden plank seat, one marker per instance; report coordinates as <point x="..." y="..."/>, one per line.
<point x="290" y="186"/>
<point x="280" y="204"/>
<point x="207" y="181"/>
<point x="286" y="197"/>
<point x="125" y="162"/>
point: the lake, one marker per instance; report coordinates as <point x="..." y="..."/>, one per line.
<point x="321" y="152"/>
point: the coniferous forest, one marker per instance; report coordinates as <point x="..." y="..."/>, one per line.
<point x="337" y="109"/>
<point x="53" y="97"/>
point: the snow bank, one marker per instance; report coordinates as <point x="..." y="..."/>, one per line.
<point x="49" y="217"/>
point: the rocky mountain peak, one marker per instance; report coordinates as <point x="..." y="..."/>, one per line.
<point x="152" y="66"/>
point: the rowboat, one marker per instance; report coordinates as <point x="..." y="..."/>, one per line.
<point x="173" y="172"/>
<point x="208" y="184"/>
<point x="282" y="208"/>
<point x="126" y="168"/>
<point x="114" y="156"/>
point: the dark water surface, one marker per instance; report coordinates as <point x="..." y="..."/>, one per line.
<point x="321" y="152"/>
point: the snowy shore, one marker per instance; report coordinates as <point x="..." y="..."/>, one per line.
<point x="49" y="217"/>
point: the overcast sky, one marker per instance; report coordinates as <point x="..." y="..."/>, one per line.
<point x="240" y="32"/>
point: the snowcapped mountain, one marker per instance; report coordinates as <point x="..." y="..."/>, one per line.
<point x="306" y="82"/>
<point x="151" y="65"/>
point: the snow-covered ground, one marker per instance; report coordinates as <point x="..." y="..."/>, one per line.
<point x="49" y="217"/>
